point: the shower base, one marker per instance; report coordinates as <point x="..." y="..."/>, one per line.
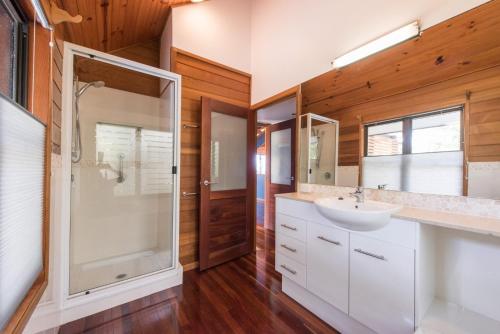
<point x="87" y="276"/>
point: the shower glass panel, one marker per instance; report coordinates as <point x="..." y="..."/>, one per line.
<point x="122" y="186"/>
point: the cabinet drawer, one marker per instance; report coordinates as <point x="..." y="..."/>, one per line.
<point x="291" y="269"/>
<point x="328" y="264"/>
<point x="293" y="248"/>
<point x="382" y="285"/>
<point x="291" y="227"/>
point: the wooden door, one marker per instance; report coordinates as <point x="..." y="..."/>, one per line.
<point x="280" y="169"/>
<point x="227" y="208"/>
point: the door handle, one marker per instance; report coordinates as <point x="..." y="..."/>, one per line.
<point x="292" y="178"/>
<point x="206" y="183"/>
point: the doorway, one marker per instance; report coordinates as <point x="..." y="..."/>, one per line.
<point x="276" y="158"/>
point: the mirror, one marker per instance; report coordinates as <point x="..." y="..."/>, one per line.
<point x="424" y="153"/>
<point x="318" y="138"/>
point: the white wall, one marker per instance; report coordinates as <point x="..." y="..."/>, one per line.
<point x="105" y="224"/>
<point x="218" y="30"/>
<point x="295" y="40"/>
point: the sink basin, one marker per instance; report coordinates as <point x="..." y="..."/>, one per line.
<point x="346" y="213"/>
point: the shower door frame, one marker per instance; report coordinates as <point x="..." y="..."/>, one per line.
<point x="146" y="283"/>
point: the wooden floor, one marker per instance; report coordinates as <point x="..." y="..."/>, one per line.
<point x="242" y="296"/>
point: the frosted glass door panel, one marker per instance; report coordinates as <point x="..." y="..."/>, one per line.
<point x="281" y="157"/>
<point x="228" y="153"/>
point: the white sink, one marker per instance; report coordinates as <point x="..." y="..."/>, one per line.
<point x="348" y="214"/>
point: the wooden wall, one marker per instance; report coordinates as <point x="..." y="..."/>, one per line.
<point x="200" y="77"/>
<point x="57" y="69"/>
<point x="147" y="52"/>
<point x="417" y="76"/>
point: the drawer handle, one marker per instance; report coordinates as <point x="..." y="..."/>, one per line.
<point x="293" y="250"/>
<point x="328" y="240"/>
<point x="291" y="271"/>
<point x="378" y="257"/>
<point x="289" y="227"/>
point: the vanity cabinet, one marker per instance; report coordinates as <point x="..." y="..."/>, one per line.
<point x="382" y="285"/>
<point x="362" y="280"/>
<point x="328" y="264"/>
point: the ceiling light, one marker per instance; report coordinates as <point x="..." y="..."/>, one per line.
<point x="195" y="1"/>
<point x="397" y="36"/>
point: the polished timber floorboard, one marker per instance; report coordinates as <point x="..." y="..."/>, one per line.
<point x="242" y="296"/>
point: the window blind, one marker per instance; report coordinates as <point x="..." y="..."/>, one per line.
<point x="22" y="170"/>
<point x="431" y="173"/>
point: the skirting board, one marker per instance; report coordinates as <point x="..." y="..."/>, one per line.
<point x="326" y="312"/>
<point x="49" y="316"/>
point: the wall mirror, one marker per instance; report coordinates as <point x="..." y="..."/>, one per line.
<point x="318" y="138"/>
<point x="426" y="153"/>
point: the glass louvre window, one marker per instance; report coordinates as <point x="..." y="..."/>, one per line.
<point x="142" y="158"/>
<point x="422" y="153"/>
<point x="385" y="139"/>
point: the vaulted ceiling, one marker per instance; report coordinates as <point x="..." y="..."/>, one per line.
<point x="114" y="24"/>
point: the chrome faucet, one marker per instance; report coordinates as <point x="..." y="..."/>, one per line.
<point x="359" y="194"/>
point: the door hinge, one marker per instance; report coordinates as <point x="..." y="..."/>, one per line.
<point x="174" y="169"/>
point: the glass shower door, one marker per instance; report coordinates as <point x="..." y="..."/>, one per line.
<point x="122" y="186"/>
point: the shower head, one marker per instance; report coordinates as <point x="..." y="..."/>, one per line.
<point x="96" y="84"/>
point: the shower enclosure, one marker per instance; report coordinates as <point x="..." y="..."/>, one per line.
<point x="120" y="156"/>
<point x="318" y="138"/>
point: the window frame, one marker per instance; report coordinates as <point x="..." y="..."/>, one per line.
<point x="408" y="130"/>
<point x="21" y="48"/>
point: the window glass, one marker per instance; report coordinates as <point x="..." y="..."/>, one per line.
<point x="385" y="139"/>
<point x="7" y="52"/>
<point x="436" y="133"/>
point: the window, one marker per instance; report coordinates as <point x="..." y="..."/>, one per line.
<point x="143" y="158"/>
<point x="431" y="132"/>
<point x="14" y="52"/>
<point x="422" y="153"/>
<point x="385" y="139"/>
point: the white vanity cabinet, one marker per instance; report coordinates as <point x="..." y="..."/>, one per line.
<point x="328" y="264"/>
<point x="359" y="282"/>
<point x="382" y="285"/>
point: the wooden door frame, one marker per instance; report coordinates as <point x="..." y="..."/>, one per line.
<point x="226" y="108"/>
<point x="291" y="92"/>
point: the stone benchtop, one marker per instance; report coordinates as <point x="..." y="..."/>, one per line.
<point x="464" y="222"/>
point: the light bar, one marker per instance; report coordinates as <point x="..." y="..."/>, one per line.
<point x="397" y="36"/>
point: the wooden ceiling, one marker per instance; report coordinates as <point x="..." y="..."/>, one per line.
<point x="114" y="24"/>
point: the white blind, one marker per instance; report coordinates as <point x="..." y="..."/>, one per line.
<point x="22" y="164"/>
<point x="432" y="173"/>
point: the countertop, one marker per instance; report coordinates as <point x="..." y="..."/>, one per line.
<point x="469" y="223"/>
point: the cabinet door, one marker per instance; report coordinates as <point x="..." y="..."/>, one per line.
<point x="382" y="285"/>
<point x="328" y="264"/>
